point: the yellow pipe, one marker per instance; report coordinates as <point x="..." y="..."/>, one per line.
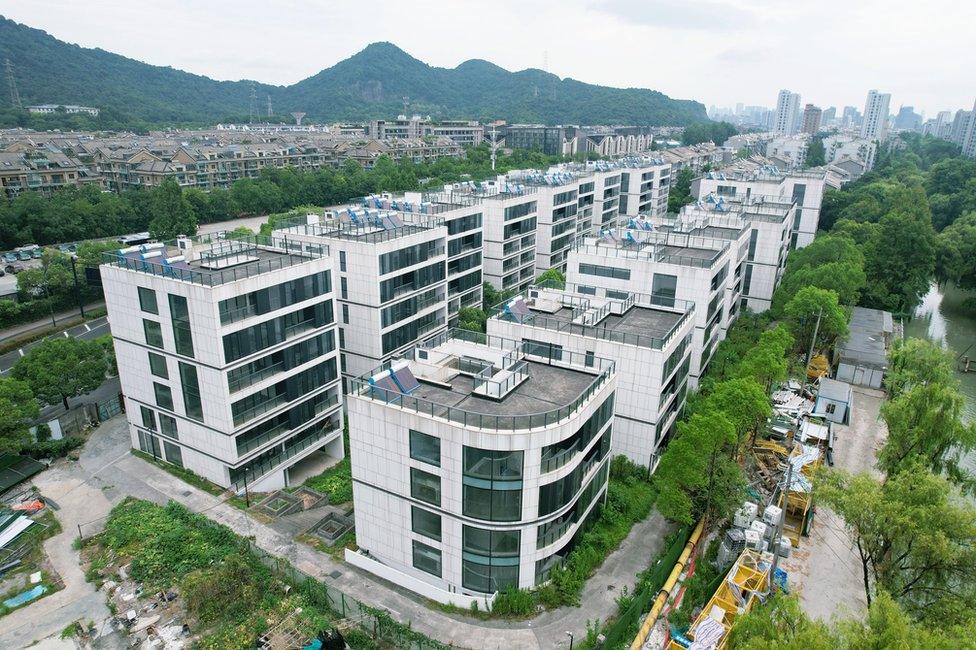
<point x="669" y="584"/>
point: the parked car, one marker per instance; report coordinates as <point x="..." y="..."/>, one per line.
<point x="13" y="269"/>
<point x="37" y="253"/>
<point x="10" y="257"/>
<point x="24" y="256"/>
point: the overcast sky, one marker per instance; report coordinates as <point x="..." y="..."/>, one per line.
<point x="715" y="51"/>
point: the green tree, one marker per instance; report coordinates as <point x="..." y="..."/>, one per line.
<point x="780" y="624"/>
<point x="680" y="193"/>
<point x="925" y="425"/>
<point x="815" y="153"/>
<point x="802" y="312"/>
<point x="915" y="540"/>
<point x="913" y="362"/>
<point x="552" y="277"/>
<point x="957" y="252"/>
<point x="59" y="368"/>
<point x="743" y="401"/>
<point x="472" y="319"/>
<point x="18" y="410"/>
<point x="172" y="214"/>
<point x="697" y="475"/>
<point x="767" y="361"/>
<point x="899" y="260"/>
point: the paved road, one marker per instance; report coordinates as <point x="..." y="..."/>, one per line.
<point x="86" y="331"/>
<point x="826" y="569"/>
<point x="107" y="473"/>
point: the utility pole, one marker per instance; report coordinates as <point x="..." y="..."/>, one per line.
<point x="12" y="85"/>
<point x="81" y="301"/>
<point x="813" y="341"/>
<point x="494" y="146"/>
<point x="779" y="525"/>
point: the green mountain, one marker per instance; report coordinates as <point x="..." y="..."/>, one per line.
<point x="375" y="82"/>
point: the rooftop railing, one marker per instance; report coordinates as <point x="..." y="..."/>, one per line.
<point x="271" y="253"/>
<point x="603" y="369"/>
<point x="655" y="245"/>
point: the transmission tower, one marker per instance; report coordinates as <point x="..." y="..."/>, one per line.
<point x="254" y="103"/>
<point x="12" y="85"/>
<point x="269" y="107"/>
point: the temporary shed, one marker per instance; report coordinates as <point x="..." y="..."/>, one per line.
<point x="834" y="400"/>
<point x="864" y="355"/>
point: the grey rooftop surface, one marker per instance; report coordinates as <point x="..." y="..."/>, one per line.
<point x="706" y="254"/>
<point x="547" y="388"/>
<point x="637" y="321"/>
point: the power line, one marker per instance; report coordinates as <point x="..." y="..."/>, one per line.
<point x="12" y="85"/>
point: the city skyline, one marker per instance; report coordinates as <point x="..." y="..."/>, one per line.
<point x="894" y="48"/>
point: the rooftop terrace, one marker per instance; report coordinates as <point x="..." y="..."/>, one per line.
<point x="486" y="382"/>
<point x="640" y="319"/>
<point x="369" y="225"/>
<point x="684" y="249"/>
<point x="217" y="258"/>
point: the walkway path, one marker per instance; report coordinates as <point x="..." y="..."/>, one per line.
<point x="122" y="474"/>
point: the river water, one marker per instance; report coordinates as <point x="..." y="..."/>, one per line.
<point x="941" y="318"/>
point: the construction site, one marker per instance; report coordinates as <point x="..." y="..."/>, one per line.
<point x="778" y="539"/>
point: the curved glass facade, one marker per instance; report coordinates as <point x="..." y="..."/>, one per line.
<point x="490" y="559"/>
<point x="492" y="484"/>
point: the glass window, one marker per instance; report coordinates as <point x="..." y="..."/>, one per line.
<point x="490" y="559"/>
<point x="164" y="396"/>
<point x="173" y="453"/>
<point x="180" y="317"/>
<point x="492" y="484"/>
<point x="604" y="271"/>
<point x="191" y="391"/>
<point x="148" y="418"/>
<point x="154" y="333"/>
<point x="167" y="426"/>
<point x="426" y="558"/>
<point x="425" y="448"/>
<point x="425" y="486"/>
<point x="664" y="287"/>
<point x="342" y="261"/>
<point x="345" y="313"/>
<point x="147" y="300"/>
<point x="157" y="365"/>
<point x="425" y="522"/>
<point x="344" y="288"/>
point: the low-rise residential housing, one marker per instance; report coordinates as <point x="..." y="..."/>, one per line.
<point x="227" y="354"/>
<point x="788" y="151"/>
<point x="648" y="338"/>
<point x="70" y="109"/>
<point x="853" y="154"/>
<point x="475" y="462"/>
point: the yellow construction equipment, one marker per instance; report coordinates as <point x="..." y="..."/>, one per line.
<point x="737" y="595"/>
<point x="668" y="587"/>
<point x="817" y="368"/>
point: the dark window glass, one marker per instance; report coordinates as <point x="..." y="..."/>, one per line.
<point x="490" y="559"/>
<point x="275" y="297"/>
<point x="164" y="396"/>
<point x="148" y="418"/>
<point x="425" y="522"/>
<point x="426" y="558"/>
<point x="492" y="484"/>
<point x="342" y="261"/>
<point x="604" y="271"/>
<point x="157" y="365"/>
<point x="412" y="281"/>
<point x="249" y="340"/>
<point x="180" y="315"/>
<point x="167" y="426"/>
<point x="425" y="448"/>
<point x="411" y="331"/>
<point x="173" y="453"/>
<point x="663" y="289"/>
<point x="154" y="333"/>
<point x="425" y="486"/>
<point x="416" y="254"/>
<point x="147" y="300"/>
<point x="191" y="391"/>
<point x="516" y="211"/>
<point x="463" y="224"/>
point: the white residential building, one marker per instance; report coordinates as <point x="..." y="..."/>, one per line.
<point x="788" y="118"/>
<point x="650" y="343"/>
<point x="669" y="267"/>
<point x="804" y="188"/>
<point x="227" y="354"/>
<point x="392" y="279"/>
<point x="875" y="123"/>
<point x="788" y="151"/>
<point x="475" y="462"/>
<point x="852" y="154"/>
<point x="645" y="184"/>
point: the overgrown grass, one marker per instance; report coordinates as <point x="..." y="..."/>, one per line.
<point x="699" y="588"/>
<point x="184" y="475"/>
<point x="336" y="482"/>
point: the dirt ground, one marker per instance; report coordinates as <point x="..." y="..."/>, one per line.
<point x="826" y="570"/>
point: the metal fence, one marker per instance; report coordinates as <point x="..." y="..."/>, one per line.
<point x="375" y="622"/>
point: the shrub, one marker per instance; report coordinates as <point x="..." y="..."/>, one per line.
<point x="336" y="482"/>
<point x="513" y="602"/>
<point x="226" y="592"/>
<point x="52" y="448"/>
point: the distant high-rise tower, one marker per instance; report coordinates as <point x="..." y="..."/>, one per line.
<point x="811" y="119"/>
<point x="787" y="119"/>
<point x="969" y="139"/>
<point x="12" y="84"/>
<point x="875" y="124"/>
